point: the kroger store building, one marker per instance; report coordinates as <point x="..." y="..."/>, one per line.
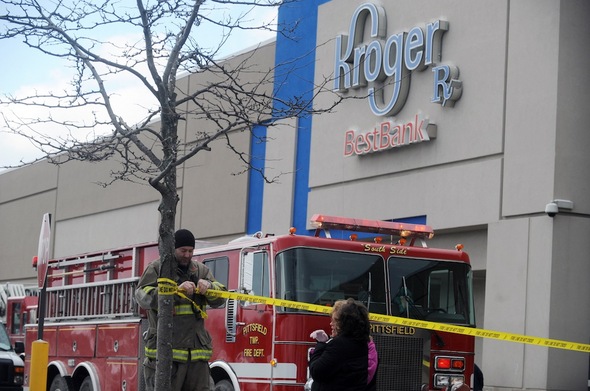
<point x="486" y="126"/>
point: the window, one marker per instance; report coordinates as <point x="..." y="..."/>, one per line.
<point x="4" y="340"/>
<point x="220" y="269"/>
<point x="15" y="326"/>
<point x="431" y="290"/>
<point x="254" y="277"/>
<point x="319" y="276"/>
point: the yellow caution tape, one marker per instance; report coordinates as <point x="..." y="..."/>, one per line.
<point x="448" y="328"/>
<point x="167" y="286"/>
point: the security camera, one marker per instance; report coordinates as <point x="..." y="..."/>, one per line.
<point x="551" y="209"/>
<point x="556" y="205"/>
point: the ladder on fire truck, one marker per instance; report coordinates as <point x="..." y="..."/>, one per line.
<point x="88" y="287"/>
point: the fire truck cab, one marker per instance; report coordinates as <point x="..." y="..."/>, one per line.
<point x="264" y="347"/>
<point x="18" y="306"/>
<point x="20" y="311"/>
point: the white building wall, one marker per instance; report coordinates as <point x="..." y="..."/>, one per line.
<point x="106" y="230"/>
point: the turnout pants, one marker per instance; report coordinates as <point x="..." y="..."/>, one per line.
<point x="189" y="376"/>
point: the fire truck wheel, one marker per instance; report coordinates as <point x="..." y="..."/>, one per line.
<point x="224" y="385"/>
<point x="59" y="384"/>
<point x="86" y="384"/>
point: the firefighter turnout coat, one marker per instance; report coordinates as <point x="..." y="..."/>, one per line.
<point x="190" y="340"/>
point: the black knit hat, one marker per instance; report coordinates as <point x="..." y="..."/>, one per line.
<point x="184" y="238"/>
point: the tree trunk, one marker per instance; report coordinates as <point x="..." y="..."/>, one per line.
<point x="166" y="302"/>
<point x="167" y="210"/>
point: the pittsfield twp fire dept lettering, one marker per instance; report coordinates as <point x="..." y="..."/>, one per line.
<point x="385" y="64"/>
<point x="254" y="339"/>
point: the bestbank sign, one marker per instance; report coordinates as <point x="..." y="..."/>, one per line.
<point x="385" y="65"/>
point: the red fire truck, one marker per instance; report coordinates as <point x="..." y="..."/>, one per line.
<point x="18" y="306"/>
<point x="94" y="327"/>
<point x="21" y="310"/>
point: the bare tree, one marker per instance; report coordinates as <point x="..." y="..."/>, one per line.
<point x="169" y="42"/>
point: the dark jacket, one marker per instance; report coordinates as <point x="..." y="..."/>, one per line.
<point x="339" y="364"/>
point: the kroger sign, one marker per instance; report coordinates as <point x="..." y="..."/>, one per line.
<point x="385" y="64"/>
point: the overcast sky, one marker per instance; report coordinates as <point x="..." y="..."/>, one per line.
<point x="24" y="71"/>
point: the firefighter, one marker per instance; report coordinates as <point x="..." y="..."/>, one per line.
<point x="191" y="342"/>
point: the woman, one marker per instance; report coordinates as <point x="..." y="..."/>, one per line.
<point x="341" y="362"/>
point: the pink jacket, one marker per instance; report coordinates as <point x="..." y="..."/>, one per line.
<point x="373" y="360"/>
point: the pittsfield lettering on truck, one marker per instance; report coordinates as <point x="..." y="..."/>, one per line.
<point x="254" y="327"/>
<point x="392" y="329"/>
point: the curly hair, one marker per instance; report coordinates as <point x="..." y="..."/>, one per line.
<point x="351" y="318"/>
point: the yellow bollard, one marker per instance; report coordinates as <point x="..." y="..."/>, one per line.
<point x="39" y="361"/>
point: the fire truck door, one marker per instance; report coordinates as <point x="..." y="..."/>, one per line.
<point x="253" y="321"/>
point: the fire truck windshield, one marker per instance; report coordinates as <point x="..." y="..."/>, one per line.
<point x="438" y="291"/>
<point x="320" y="276"/>
<point x="431" y="290"/>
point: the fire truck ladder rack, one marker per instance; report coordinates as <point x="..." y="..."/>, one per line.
<point x="85" y="298"/>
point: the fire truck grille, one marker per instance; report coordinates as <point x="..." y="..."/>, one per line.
<point x="6" y="372"/>
<point x="400" y="363"/>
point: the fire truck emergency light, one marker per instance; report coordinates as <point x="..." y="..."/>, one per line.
<point x="319" y="221"/>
